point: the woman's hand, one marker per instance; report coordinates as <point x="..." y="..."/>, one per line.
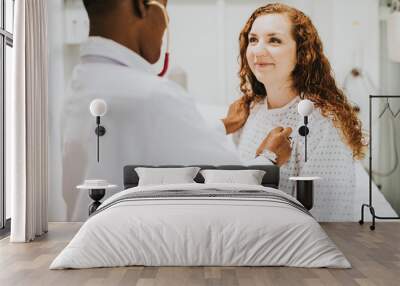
<point x="237" y="115"/>
<point x="278" y="142"/>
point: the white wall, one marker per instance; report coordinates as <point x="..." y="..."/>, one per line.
<point x="208" y="49"/>
<point x="56" y="91"/>
<point x="204" y="36"/>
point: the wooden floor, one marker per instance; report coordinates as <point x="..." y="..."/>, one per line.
<point x="374" y="255"/>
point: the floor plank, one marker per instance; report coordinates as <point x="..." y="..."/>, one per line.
<point x="374" y="255"/>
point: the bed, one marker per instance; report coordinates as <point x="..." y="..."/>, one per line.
<point x="201" y="224"/>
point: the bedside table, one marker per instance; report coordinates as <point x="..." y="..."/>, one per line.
<point x="305" y="190"/>
<point x="96" y="193"/>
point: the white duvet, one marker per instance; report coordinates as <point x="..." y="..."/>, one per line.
<point x="200" y="231"/>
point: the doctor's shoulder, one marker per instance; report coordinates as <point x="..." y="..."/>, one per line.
<point x="170" y="90"/>
<point x="111" y="79"/>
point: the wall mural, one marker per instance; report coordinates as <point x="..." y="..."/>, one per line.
<point x="274" y="97"/>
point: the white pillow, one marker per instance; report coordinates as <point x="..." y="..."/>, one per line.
<point x="162" y="176"/>
<point x="248" y="177"/>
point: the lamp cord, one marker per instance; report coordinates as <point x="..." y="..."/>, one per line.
<point x="305" y="137"/>
<point x="98" y="141"/>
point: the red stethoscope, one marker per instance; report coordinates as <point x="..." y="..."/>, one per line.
<point x="166" y="57"/>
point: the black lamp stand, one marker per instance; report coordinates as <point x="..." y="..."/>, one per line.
<point x="100" y="131"/>
<point x="303" y="131"/>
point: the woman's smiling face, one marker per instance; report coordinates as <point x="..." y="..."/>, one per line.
<point x="271" y="52"/>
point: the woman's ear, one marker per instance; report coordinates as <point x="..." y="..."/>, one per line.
<point x="140" y="7"/>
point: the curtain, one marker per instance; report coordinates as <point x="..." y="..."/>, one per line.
<point x="27" y="123"/>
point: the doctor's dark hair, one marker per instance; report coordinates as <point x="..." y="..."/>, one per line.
<point x="312" y="75"/>
<point x="97" y="8"/>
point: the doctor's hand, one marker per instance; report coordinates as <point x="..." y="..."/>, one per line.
<point x="278" y="142"/>
<point x="237" y="115"/>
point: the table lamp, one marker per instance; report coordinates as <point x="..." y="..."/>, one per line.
<point x="305" y="108"/>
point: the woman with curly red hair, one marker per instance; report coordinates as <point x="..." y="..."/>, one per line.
<point x="282" y="61"/>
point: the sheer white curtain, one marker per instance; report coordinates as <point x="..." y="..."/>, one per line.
<point x="26" y="121"/>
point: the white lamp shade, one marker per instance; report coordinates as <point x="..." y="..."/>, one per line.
<point x="305" y="107"/>
<point x="98" y="107"/>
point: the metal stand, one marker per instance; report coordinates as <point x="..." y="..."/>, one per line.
<point x="96" y="195"/>
<point x="369" y="205"/>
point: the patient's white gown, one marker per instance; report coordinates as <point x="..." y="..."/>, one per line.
<point x="327" y="157"/>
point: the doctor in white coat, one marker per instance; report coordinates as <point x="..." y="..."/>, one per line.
<point x="150" y="120"/>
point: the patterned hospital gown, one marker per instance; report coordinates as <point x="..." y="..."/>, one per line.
<point x="328" y="157"/>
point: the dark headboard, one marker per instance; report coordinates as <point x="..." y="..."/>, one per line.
<point x="270" y="179"/>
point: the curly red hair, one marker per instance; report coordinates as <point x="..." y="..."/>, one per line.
<point x="311" y="76"/>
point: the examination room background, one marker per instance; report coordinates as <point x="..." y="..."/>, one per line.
<point x="352" y="31"/>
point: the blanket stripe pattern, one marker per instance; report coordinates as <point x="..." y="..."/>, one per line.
<point x="206" y="194"/>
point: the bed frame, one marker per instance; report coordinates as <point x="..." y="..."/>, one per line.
<point x="270" y="179"/>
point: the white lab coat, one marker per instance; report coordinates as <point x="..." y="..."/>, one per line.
<point x="150" y="120"/>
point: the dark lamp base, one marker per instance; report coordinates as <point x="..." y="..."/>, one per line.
<point x="96" y="195"/>
<point x="305" y="193"/>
